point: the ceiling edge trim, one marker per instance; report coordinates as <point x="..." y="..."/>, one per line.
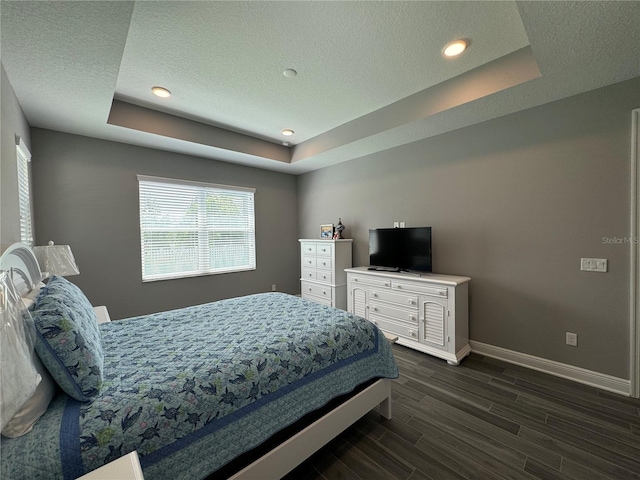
<point x="144" y="119"/>
<point x="503" y="73"/>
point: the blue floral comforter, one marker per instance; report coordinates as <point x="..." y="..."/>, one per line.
<point x="191" y="389"/>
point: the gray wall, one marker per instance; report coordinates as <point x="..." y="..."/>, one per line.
<point x="12" y="123"/>
<point x="514" y="203"/>
<point x="86" y="195"/>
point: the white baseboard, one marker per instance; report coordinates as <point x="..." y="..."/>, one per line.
<point x="577" y="374"/>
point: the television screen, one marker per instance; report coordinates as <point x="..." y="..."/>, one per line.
<point x="401" y="248"/>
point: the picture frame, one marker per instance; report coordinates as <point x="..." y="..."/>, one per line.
<point x="326" y="231"/>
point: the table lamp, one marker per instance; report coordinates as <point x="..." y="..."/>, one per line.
<point x="56" y="260"/>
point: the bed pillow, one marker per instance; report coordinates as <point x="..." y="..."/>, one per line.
<point x="68" y="339"/>
<point x="29" y="299"/>
<point x="23" y="421"/>
<point x="18" y="375"/>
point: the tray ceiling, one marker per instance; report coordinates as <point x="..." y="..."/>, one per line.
<point x="370" y="74"/>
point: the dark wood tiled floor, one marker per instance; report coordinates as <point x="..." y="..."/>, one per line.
<point x="486" y="419"/>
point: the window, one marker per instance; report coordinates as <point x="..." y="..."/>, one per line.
<point x="192" y="228"/>
<point x="24" y="192"/>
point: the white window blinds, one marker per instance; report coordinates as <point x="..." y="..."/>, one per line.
<point x="24" y="193"/>
<point x="192" y="228"/>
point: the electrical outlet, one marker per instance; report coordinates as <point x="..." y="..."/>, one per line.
<point x="396" y="224"/>
<point x="593" y="265"/>
<point x="273" y="287"/>
<point x="572" y="339"/>
<point x="401" y="224"/>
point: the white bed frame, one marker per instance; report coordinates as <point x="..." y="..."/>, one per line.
<point x="25" y="273"/>
<point x="291" y="453"/>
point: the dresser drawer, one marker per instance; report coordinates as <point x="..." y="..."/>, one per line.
<point x="399" y="314"/>
<point x="324" y="276"/>
<point x="322" y="300"/>
<point x="405" y="331"/>
<point x="324" y="249"/>
<point x="406" y="300"/>
<point x="323" y="262"/>
<point x="368" y="280"/>
<point x="316" y="290"/>
<point x="309" y="273"/>
<point x="308" y="248"/>
<point x="426" y="290"/>
<point x="308" y="261"/>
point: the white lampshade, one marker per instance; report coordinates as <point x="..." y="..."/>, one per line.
<point x="56" y="260"/>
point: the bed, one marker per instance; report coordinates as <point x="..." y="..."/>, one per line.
<point x="194" y="390"/>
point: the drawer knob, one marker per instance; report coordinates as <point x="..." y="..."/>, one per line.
<point x="412" y="318"/>
<point x="442" y="293"/>
<point x="309" y="289"/>
<point x="386" y="284"/>
<point x="399" y="287"/>
<point x="375" y="309"/>
<point x="412" y="333"/>
<point x="324" y="292"/>
<point x="324" y="276"/>
<point x="374" y="295"/>
<point x="310" y="275"/>
<point x="411" y="302"/>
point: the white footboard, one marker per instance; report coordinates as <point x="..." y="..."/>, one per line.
<point x="288" y="455"/>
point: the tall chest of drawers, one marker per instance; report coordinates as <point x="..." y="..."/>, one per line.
<point x="322" y="275"/>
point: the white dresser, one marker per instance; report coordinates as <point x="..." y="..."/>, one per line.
<point x="429" y="313"/>
<point x="322" y="275"/>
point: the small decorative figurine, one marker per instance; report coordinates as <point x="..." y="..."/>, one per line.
<point x="339" y="229"/>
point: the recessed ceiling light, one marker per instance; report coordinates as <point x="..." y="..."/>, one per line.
<point x="161" y="92"/>
<point x="455" y="48"/>
<point x="290" y="73"/>
<point x="287" y="132"/>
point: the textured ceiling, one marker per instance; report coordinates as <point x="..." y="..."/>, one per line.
<point x="223" y="61"/>
<point x="370" y="74"/>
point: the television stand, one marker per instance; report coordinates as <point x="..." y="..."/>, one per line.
<point x="384" y="269"/>
<point x="398" y="270"/>
<point x="427" y="313"/>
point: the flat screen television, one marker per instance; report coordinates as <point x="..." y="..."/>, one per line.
<point x="400" y="248"/>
